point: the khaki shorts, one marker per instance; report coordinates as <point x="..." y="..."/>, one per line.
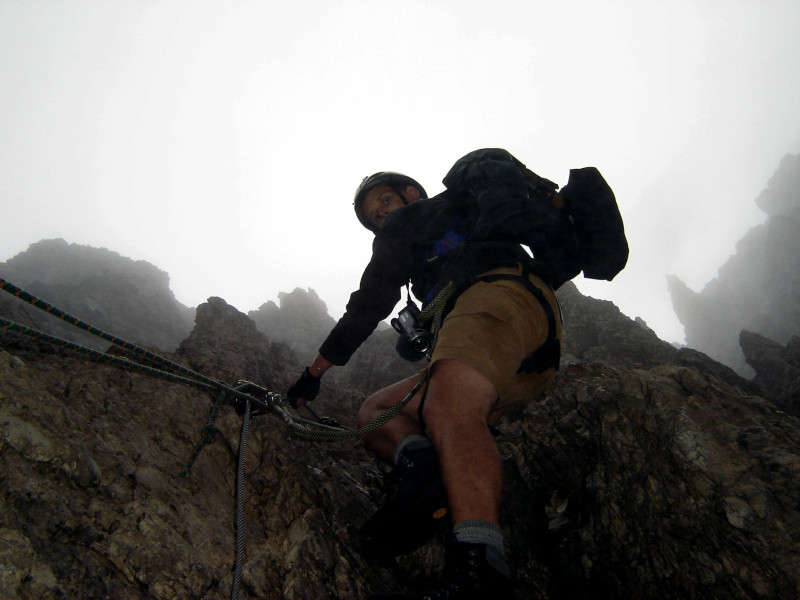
<point x="493" y="327"/>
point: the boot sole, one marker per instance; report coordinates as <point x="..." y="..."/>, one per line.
<point x="394" y="532"/>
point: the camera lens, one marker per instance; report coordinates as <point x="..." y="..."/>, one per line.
<point x="421" y="344"/>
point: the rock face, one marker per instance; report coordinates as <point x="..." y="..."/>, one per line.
<point x="225" y="343"/>
<point x="375" y="365"/>
<point x="657" y="483"/>
<point x="302" y="320"/>
<point x="130" y="298"/>
<point x="777" y="368"/>
<point x="758" y="287"/>
<point x="631" y="479"/>
<point x="597" y="330"/>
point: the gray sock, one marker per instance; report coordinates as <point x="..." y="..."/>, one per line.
<point x="412" y="441"/>
<point x="484" y="532"/>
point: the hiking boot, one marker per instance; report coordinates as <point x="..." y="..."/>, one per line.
<point x="414" y="504"/>
<point x="475" y="572"/>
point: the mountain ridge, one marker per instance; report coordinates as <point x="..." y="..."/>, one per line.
<point x="646" y="471"/>
<point x="652" y="480"/>
<point x="758" y="287"/>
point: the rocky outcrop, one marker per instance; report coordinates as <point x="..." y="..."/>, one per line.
<point x="226" y="344"/>
<point x="647" y="471"/>
<point x="777" y="368"/>
<point x="757" y="288"/>
<point x="658" y="483"/>
<point x="654" y="481"/>
<point x="85" y="280"/>
<point x="375" y="365"/>
<point x="594" y="330"/>
<point x="129" y="298"/>
<point x="301" y="320"/>
<point x="597" y="330"/>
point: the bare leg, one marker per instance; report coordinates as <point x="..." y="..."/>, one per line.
<point x="384" y="440"/>
<point x="456" y="411"/>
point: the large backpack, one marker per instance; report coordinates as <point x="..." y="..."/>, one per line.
<point x="577" y="229"/>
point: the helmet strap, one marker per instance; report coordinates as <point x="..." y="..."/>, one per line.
<point x="400" y="193"/>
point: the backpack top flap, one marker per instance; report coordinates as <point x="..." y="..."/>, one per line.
<point x="584" y="232"/>
<point x="598" y="223"/>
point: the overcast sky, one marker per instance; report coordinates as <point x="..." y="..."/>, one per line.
<point x="222" y="141"/>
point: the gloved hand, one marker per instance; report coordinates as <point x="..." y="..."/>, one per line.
<point x="305" y="390"/>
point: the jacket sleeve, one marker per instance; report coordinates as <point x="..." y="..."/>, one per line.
<point x="378" y="293"/>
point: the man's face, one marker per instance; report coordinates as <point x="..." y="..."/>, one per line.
<point x="382" y="199"/>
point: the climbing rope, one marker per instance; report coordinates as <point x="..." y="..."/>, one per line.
<point x="72" y="320"/>
<point x="209" y="433"/>
<point x="302" y="428"/>
<point x="325" y="433"/>
<point x="433" y="312"/>
<point x="103" y="357"/>
<point x="237" y="576"/>
<point x="262" y="399"/>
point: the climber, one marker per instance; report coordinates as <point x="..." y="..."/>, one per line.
<point x="444" y="454"/>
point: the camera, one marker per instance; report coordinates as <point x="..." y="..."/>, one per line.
<point x="407" y="324"/>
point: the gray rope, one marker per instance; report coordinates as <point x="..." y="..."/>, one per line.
<point x="237" y="576"/>
<point x="433" y="311"/>
<point x="9" y="287"/>
<point x="187" y="376"/>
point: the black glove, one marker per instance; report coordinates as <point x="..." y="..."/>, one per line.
<point x="306" y="389"/>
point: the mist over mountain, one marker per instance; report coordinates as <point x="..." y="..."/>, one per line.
<point x="130" y="299"/>
<point x="758" y="288"/>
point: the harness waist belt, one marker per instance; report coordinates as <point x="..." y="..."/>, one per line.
<point x="548" y="355"/>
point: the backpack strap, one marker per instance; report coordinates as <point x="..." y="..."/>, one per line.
<point x="447" y="243"/>
<point x="548" y="355"/>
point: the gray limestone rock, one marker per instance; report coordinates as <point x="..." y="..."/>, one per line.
<point x="777" y="368"/>
<point x="644" y="481"/>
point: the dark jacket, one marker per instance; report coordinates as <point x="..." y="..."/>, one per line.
<point x="403" y="250"/>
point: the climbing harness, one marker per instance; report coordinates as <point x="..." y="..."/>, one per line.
<point x="545" y="357"/>
<point x="548" y="355"/>
<point x="248" y="398"/>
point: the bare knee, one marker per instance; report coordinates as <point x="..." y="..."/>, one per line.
<point x="388" y="397"/>
<point x="383" y="440"/>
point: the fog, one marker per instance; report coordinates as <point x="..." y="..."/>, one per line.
<point x="223" y="141"/>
